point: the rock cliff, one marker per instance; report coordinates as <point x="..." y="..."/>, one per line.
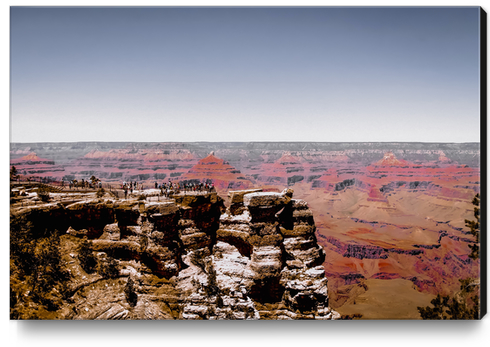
<point x="187" y="257"/>
<point x="265" y="264"/>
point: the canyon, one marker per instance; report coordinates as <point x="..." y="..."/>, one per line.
<point x="387" y="217"/>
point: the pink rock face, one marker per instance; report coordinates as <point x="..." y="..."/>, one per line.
<point x="376" y="195"/>
<point x="389" y="159"/>
<point x="216" y="170"/>
<point x="32" y="165"/>
<point x="32" y="157"/>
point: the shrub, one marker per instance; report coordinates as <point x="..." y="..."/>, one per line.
<point x="108" y="268"/>
<point x="130" y="292"/>
<point x="460" y="306"/>
<point x="13" y="173"/>
<point x="22" y="245"/>
<point x="219" y="301"/>
<point x="43" y="194"/>
<point x="37" y="267"/>
<point x="212" y="287"/>
<point x="100" y="192"/>
<point x="86" y="256"/>
<point x="474" y="226"/>
<point x="143" y="241"/>
<point x="197" y="258"/>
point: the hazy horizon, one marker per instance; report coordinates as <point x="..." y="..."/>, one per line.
<point x="169" y="74"/>
<point x="413" y="142"/>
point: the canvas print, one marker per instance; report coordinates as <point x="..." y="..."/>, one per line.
<point x="245" y="163"/>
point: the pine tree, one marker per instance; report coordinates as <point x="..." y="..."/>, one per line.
<point x="474" y="226"/>
<point x="461" y="305"/>
<point x="13" y="173"/>
<point x="457" y="307"/>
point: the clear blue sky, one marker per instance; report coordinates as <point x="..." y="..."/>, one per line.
<point x="245" y="74"/>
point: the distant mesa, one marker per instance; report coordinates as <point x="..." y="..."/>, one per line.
<point x="222" y="174"/>
<point x="288" y="159"/>
<point x="210" y="160"/>
<point x="32" y="165"/>
<point x="389" y="159"/>
<point x="32" y="158"/>
<point x="443" y="159"/>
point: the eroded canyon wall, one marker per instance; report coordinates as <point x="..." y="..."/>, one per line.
<point x="190" y="258"/>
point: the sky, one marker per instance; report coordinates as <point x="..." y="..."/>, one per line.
<point x="167" y="74"/>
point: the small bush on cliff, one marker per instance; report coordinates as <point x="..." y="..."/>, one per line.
<point x="49" y="264"/>
<point x="219" y="301"/>
<point x="143" y="242"/>
<point x="197" y="258"/>
<point x="100" y="193"/>
<point x="37" y="273"/>
<point x="86" y="256"/>
<point x="22" y="245"/>
<point x="43" y="194"/>
<point x="108" y="268"/>
<point x="466" y="303"/>
<point x="130" y="292"/>
<point x="461" y="306"/>
<point x="212" y="286"/>
<point x="143" y="237"/>
<point x="13" y="173"/>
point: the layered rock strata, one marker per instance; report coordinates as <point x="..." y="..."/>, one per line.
<point x="189" y="260"/>
<point x="266" y="264"/>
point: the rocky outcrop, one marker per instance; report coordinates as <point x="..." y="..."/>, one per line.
<point x="90" y="215"/>
<point x="266" y="264"/>
<point x="259" y="259"/>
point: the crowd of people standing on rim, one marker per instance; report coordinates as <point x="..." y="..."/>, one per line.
<point x="170" y="187"/>
<point x="84" y="184"/>
<point x="185" y="187"/>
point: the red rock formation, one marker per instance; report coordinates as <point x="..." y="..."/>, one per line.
<point x="390" y="159"/>
<point x="217" y="171"/>
<point x="376" y="195"/>
<point x="31" y="165"/>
